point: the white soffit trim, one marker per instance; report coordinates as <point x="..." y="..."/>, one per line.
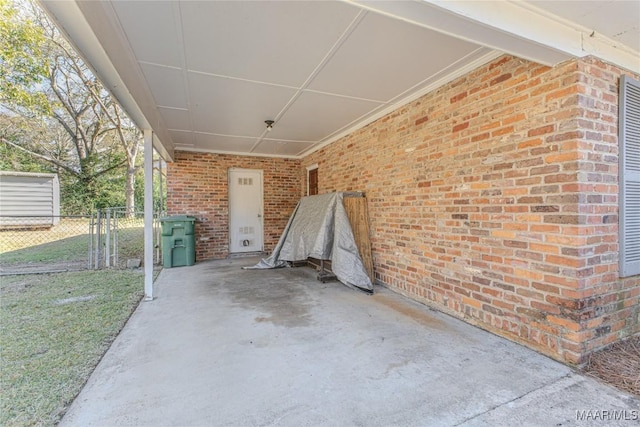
<point x="234" y="153"/>
<point x="71" y="22"/>
<point x="525" y="21"/>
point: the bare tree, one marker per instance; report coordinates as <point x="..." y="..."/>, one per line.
<point x="81" y="128"/>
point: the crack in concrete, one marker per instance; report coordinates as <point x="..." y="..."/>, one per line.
<point x="515" y="399"/>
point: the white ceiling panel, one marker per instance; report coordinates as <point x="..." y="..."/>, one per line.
<point x="168" y="85"/>
<point x="182" y="138"/>
<point x="175" y="119"/>
<point x="205" y="75"/>
<point x="206" y="142"/>
<point x="315" y="115"/>
<point x="271" y="41"/>
<point x="151" y="31"/>
<point x="281" y="148"/>
<point x="384" y="57"/>
<point x="234" y="107"/>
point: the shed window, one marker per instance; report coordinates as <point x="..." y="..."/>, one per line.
<point x="629" y="141"/>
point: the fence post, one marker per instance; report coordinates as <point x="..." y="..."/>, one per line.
<point x="115" y="239"/>
<point x="107" y="242"/>
<point x="98" y="239"/>
<point x="90" y="257"/>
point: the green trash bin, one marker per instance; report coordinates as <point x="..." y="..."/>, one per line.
<point x="178" y="241"/>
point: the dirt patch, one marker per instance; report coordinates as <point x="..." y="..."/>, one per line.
<point x="618" y="365"/>
<point x="66" y="301"/>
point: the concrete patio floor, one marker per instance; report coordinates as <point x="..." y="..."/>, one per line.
<point x="221" y="346"/>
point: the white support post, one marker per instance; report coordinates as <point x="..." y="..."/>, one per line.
<point x="148" y="215"/>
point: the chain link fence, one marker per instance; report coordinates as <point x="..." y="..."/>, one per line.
<point x="117" y="239"/>
<point x="107" y="239"/>
<point x="35" y="243"/>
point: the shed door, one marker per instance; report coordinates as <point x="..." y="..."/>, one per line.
<point x="245" y="210"/>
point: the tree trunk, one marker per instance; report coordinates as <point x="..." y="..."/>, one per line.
<point x="130" y="192"/>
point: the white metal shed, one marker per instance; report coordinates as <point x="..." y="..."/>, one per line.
<point x="29" y="199"/>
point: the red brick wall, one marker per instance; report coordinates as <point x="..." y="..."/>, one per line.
<point x="495" y="199"/>
<point x="197" y="184"/>
<point x="607" y="308"/>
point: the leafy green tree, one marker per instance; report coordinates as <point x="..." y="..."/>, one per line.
<point x="60" y="113"/>
<point x="23" y="60"/>
<point x="159" y="187"/>
<point x="18" y="160"/>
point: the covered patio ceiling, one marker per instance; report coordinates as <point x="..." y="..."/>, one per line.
<point x="204" y="76"/>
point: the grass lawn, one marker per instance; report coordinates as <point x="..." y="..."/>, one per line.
<point x="67" y="249"/>
<point x="54" y="330"/>
<point x="67" y="242"/>
<point x="12" y="240"/>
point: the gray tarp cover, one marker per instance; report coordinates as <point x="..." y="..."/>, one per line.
<point x="319" y="228"/>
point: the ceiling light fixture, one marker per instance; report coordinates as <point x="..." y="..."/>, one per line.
<point x="269" y="124"/>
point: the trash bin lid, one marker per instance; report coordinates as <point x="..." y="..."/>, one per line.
<point x="176" y="218"/>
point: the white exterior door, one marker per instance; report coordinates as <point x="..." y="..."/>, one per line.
<point x="245" y="210"/>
